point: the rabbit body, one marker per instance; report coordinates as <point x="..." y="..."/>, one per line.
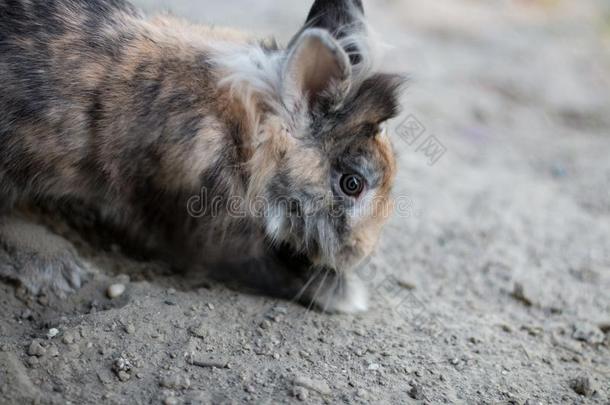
<point x="200" y="142"/>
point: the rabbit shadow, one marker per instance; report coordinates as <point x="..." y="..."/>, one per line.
<point x="117" y="257"/>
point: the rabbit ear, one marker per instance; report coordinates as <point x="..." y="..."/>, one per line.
<point x="334" y="15"/>
<point x="316" y="65"/>
<point x="341" y="18"/>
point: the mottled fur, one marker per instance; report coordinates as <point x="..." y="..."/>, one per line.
<point x="137" y="117"/>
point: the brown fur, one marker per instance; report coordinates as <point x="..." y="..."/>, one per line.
<point x="134" y="117"/>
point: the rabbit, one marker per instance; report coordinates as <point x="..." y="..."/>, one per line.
<point x="206" y="145"/>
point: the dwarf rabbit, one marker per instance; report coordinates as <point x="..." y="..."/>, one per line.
<point x="204" y="143"/>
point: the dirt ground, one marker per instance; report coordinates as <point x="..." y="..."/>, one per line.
<point x="492" y="281"/>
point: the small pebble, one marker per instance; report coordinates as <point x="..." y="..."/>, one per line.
<point x="361" y="393"/>
<point x="407" y="285"/>
<point x="281" y="310"/>
<point x="200" y="331"/>
<point x="115" y="291"/>
<point x="121" y="364"/>
<point x="360" y="333"/>
<point x="67" y="339"/>
<point x="318" y="386"/>
<point x="52" y="333"/>
<point x="416" y="392"/>
<point x="250" y="389"/>
<point x="175" y="382"/>
<point x="32" y="361"/>
<point x="123" y="376"/>
<point x="520" y="295"/>
<point x="207" y="363"/>
<point x="301" y="393"/>
<point x="130" y="329"/>
<point x="582" y="386"/>
<point x="170" y="401"/>
<point x="588" y="333"/>
<point x="53" y="351"/>
<point x="43" y="300"/>
<point x="36" y="349"/>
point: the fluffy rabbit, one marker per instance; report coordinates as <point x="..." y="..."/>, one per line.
<point x="205" y="145"/>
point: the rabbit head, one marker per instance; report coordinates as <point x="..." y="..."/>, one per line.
<point x="322" y="161"/>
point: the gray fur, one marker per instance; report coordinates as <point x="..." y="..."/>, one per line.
<point x="134" y="117"/>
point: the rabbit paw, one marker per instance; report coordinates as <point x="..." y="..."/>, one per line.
<point x="340" y="294"/>
<point x="37" y="258"/>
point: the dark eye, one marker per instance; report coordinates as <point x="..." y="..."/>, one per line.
<point x="352" y="185"/>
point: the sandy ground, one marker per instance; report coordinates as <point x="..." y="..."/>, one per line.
<point x="492" y="282"/>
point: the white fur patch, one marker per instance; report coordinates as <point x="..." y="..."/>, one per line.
<point x="354" y="298"/>
<point x="275" y="224"/>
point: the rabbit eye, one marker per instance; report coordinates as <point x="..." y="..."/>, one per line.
<point x="352" y="185"/>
